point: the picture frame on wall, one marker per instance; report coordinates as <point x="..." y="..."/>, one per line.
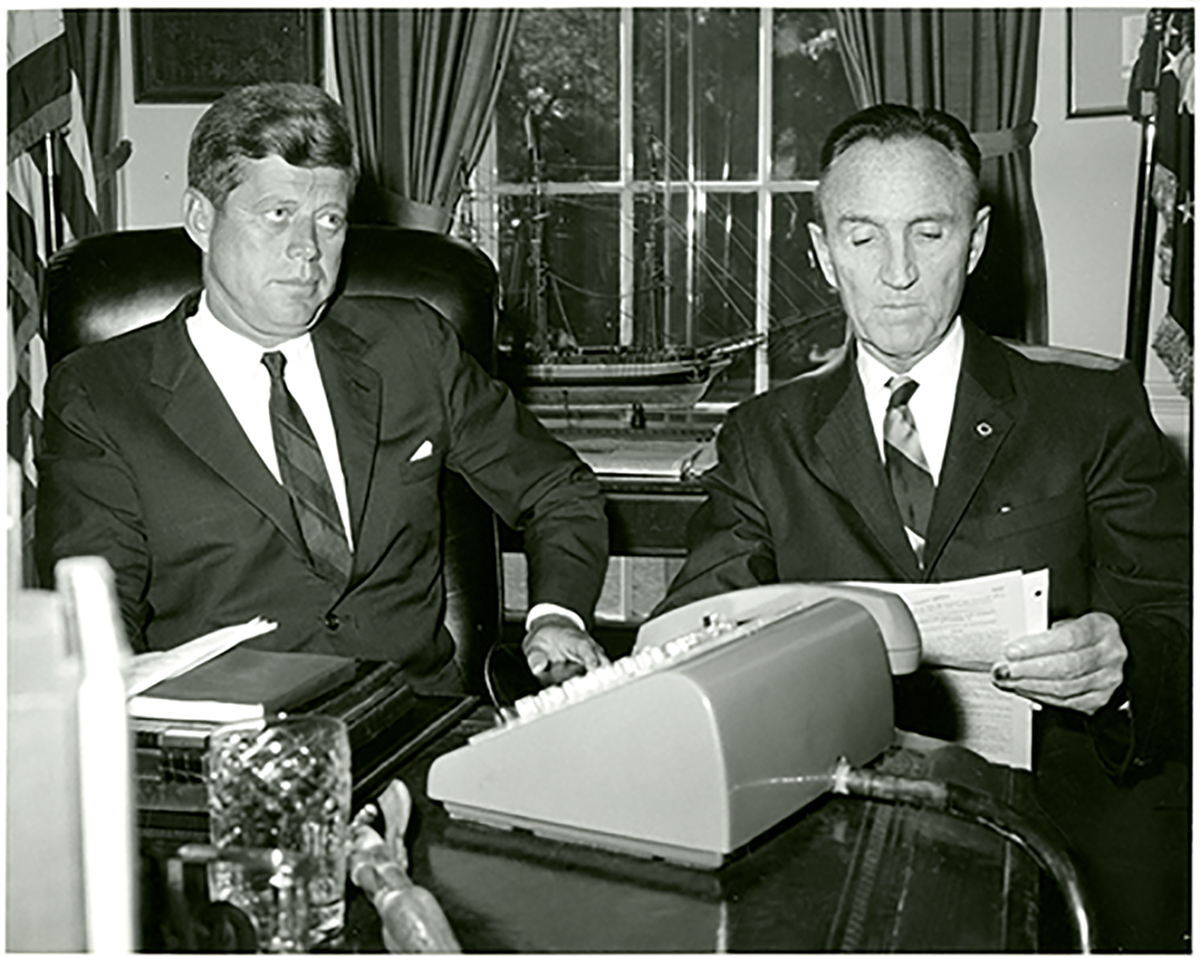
<point x="1102" y="46"/>
<point x="196" y="55"/>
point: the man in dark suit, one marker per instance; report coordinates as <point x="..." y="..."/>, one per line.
<point x="271" y="450"/>
<point x="998" y="458"/>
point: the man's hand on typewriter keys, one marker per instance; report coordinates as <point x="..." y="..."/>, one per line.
<point x="557" y="649"/>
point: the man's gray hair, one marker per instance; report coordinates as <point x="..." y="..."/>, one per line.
<point x="895" y="121"/>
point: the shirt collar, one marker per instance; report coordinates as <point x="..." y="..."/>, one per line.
<point x="213" y="338"/>
<point x="940" y="367"/>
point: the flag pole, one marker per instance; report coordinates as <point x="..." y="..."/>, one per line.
<point x="1137" y="324"/>
<point x="54" y="138"/>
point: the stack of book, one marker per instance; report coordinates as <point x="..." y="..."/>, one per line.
<point x="240" y="685"/>
<point x="387" y="722"/>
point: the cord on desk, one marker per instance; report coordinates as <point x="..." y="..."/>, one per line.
<point x="985" y="810"/>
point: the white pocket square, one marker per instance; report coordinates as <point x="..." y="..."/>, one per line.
<point x="424" y="451"/>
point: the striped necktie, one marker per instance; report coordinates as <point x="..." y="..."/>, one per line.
<point x="912" y="483"/>
<point x="302" y="472"/>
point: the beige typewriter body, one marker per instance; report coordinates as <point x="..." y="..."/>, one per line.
<point x="728" y="717"/>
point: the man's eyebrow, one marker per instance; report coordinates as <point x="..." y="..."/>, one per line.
<point x="855" y="219"/>
<point x="273" y="199"/>
<point x="934" y="218"/>
<point x="852" y="218"/>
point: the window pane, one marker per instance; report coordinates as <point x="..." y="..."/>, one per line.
<point x="562" y="74"/>
<point x="811" y="93"/>
<point x="723" y="291"/>
<point x="653" y="122"/>
<point x="579" y="301"/>
<point x="696" y="76"/>
<point x="806" y="318"/>
<point x="724" y="268"/>
<point x="655" y="250"/>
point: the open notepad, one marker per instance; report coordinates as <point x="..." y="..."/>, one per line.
<point x="150" y="668"/>
<point x="964" y="626"/>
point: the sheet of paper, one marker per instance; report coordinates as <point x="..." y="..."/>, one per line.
<point x="1037" y="601"/>
<point x="993" y="723"/>
<point x="965" y="623"/>
<point x="150" y="668"/>
<point x="964" y="626"/>
<point x="658" y="458"/>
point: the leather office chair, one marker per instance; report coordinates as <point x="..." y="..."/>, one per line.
<point x="110" y="283"/>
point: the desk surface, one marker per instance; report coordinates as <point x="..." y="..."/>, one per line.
<point x="843" y="875"/>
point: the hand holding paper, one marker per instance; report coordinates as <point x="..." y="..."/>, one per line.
<point x="965" y="627"/>
<point x="1077" y="665"/>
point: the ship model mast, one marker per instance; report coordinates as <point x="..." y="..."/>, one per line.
<point x="562" y="378"/>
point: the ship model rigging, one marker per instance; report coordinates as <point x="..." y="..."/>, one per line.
<point x="550" y="370"/>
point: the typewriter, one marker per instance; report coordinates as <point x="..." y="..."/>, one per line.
<point x="728" y="717"/>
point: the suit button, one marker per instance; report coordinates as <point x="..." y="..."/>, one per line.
<point x="332" y="622"/>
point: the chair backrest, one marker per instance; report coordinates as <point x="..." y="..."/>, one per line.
<point x="110" y="283"/>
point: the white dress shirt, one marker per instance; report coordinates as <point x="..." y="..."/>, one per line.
<point x="236" y="364"/>
<point x="932" y="405"/>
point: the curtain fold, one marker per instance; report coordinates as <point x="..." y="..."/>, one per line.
<point x="93" y="39"/>
<point x="420" y="87"/>
<point x="980" y="66"/>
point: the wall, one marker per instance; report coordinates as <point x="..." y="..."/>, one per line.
<point x="1084" y="179"/>
<point x="153" y="181"/>
<point x="1085" y="186"/>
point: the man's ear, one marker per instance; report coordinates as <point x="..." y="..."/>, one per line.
<point x="978" y="236"/>
<point x="817" y="234"/>
<point x="198" y="216"/>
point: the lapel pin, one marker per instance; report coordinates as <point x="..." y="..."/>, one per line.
<point x="984" y="429"/>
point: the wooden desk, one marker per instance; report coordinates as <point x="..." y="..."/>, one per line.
<point x="842" y="875"/>
<point x="649" y="487"/>
<point x="646" y="516"/>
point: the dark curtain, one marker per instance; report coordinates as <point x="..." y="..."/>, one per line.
<point x="95" y="54"/>
<point x="980" y="66"/>
<point x="420" y="87"/>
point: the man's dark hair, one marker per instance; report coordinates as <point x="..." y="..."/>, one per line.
<point x="894" y="121"/>
<point x="299" y="123"/>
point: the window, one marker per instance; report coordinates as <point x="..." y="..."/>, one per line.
<point x="649" y="181"/>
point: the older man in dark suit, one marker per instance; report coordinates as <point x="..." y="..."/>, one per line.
<point x="271" y="450"/>
<point x="930" y="451"/>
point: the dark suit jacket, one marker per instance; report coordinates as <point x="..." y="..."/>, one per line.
<point x="1048" y="464"/>
<point x="145" y="464"/>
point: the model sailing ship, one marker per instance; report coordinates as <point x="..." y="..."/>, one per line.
<point x="602" y="376"/>
<point x="550" y="370"/>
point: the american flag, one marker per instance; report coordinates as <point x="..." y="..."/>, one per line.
<point x="1163" y="89"/>
<point x="51" y="200"/>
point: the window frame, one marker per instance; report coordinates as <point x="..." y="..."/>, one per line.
<point x="486" y="191"/>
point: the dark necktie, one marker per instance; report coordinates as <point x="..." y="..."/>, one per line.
<point x="912" y="483"/>
<point x="302" y="472"/>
